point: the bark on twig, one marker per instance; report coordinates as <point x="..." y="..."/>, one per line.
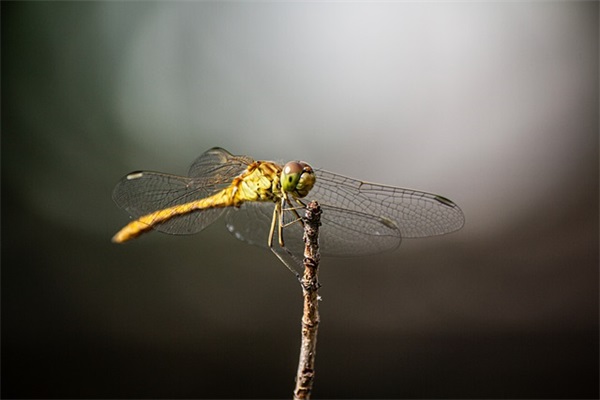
<point x="310" y="317"/>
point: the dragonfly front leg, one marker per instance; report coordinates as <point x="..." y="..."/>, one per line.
<point x="294" y="209"/>
<point x="277" y="220"/>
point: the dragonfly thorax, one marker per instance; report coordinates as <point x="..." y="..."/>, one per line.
<point x="297" y="178"/>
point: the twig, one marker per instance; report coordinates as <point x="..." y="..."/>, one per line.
<point x="310" y="317"/>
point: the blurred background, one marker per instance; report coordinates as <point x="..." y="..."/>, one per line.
<point x="494" y="105"/>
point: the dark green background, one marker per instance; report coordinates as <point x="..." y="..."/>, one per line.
<point x="494" y="105"/>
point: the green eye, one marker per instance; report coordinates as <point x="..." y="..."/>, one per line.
<point x="298" y="178"/>
<point x="290" y="176"/>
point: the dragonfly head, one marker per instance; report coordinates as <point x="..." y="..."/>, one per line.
<point x="297" y="178"/>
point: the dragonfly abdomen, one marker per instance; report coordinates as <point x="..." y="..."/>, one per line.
<point x="224" y="198"/>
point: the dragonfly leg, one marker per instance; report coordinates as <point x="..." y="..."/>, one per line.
<point x="277" y="220"/>
<point x="276" y="212"/>
<point x="295" y="209"/>
<point x="280" y="224"/>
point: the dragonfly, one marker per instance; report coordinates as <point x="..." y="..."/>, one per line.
<point x="262" y="200"/>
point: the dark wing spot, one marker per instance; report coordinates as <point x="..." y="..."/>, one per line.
<point x="445" y="201"/>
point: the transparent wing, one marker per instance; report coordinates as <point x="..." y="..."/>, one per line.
<point x="251" y="222"/>
<point x="413" y="213"/>
<point x="218" y="166"/>
<point x="347" y="232"/>
<point x="144" y="192"/>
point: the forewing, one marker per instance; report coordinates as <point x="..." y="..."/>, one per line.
<point x="414" y="213"/>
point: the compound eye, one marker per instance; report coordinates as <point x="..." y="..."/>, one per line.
<point x="290" y="176"/>
<point x="297" y="178"/>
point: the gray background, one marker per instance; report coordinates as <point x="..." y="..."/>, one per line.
<point x="494" y="105"/>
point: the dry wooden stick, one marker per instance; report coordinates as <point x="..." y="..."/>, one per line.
<point x="310" y="317"/>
